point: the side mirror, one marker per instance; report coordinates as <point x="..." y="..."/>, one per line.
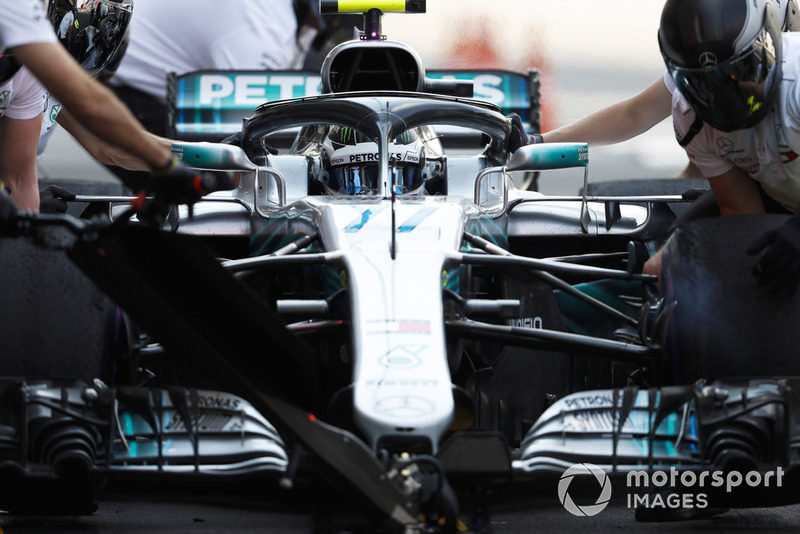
<point x="548" y="156"/>
<point x="213" y="156"/>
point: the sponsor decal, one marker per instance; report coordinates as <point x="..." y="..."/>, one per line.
<point x="527" y="322"/>
<point x="54" y="111"/>
<point x="405" y="406"/>
<point x="402" y="357"/>
<point x="245" y="90"/>
<point x="219" y="401"/>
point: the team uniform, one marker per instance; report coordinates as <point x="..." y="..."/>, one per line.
<point x="24" y="22"/>
<point x="187" y="35"/>
<point x="21" y="97"/>
<point x="768" y="151"/>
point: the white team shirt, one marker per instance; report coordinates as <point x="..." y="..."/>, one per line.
<point x="24" y="22"/>
<point x="21" y="96"/>
<point x="188" y="35"/>
<point x="768" y="151"/>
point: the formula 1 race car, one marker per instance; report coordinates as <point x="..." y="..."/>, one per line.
<point x="380" y="308"/>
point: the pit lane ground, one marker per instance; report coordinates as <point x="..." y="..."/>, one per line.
<point x="233" y="508"/>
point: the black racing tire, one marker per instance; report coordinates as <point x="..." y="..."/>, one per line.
<point x="724" y="324"/>
<point x="54" y="320"/>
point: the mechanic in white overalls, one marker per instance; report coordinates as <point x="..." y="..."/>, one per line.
<point x="633" y="116"/>
<point x="27" y="38"/>
<point x="743" y="136"/>
<point x="758" y="131"/>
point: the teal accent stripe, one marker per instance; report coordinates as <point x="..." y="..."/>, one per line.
<point x="415" y="219"/>
<point x="359" y="223"/>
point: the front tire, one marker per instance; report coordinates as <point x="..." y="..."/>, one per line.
<point x="724" y="324"/>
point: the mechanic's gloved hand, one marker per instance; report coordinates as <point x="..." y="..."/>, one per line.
<point x="53" y="199"/>
<point x="518" y="136"/>
<point x="779" y="266"/>
<point x="176" y="183"/>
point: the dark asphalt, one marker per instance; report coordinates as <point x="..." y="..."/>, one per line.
<point x="251" y="508"/>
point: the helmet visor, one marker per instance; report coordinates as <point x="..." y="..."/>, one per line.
<point x="356" y="180"/>
<point x="363" y="179"/>
<point x="733" y="94"/>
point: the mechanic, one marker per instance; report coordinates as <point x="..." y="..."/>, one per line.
<point x="28" y="40"/>
<point x="633" y="116"/>
<point x="108" y="46"/>
<point x="743" y="136"/>
<point x="758" y="161"/>
<point x="183" y="36"/>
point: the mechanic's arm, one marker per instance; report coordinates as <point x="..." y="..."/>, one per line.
<point x="103" y="151"/>
<point x="99" y="110"/>
<point x="736" y="194"/>
<point x="18" y="139"/>
<point x="621" y="121"/>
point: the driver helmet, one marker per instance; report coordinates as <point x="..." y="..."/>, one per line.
<point x="94" y="32"/>
<point x="724" y="58"/>
<point x="352" y="167"/>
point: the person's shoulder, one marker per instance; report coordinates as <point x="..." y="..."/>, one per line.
<point x="24" y="22"/>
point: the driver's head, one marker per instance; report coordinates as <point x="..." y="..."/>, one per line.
<point x="724" y="56"/>
<point x="352" y="166"/>
<point x="94" y="32"/>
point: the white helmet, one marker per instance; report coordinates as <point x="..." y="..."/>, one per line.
<point x="351" y="162"/>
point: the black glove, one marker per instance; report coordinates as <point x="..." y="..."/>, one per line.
<point x="779" y="266"/>
<point x="518" y="136"/>
<point x="53" y="199"/>
<point x="177" y="183"/>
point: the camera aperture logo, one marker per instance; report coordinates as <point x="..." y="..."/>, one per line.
<point x="582" y="470"/>
<point x="667" y="489"/>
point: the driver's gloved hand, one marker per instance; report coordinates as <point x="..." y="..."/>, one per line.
<point x="779" y="266"/>
<point x="518" y="136"/>
<point x="53" y="199"/>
